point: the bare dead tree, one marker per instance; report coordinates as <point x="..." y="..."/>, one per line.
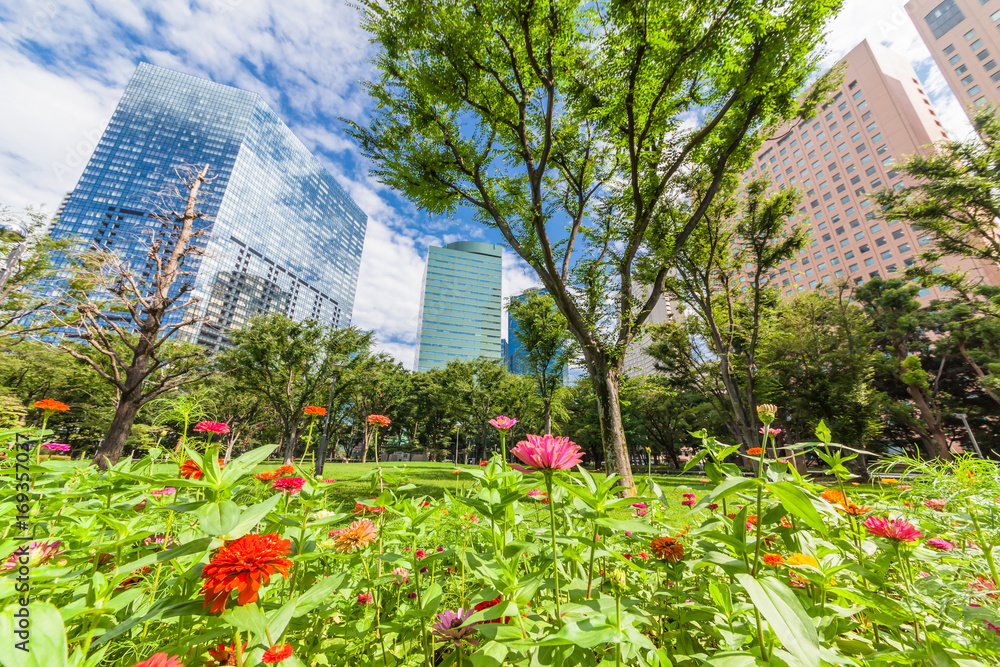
<point x="126" y="333"/>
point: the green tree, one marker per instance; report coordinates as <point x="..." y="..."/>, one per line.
<point x="560" y="124"/>
<point x="901" y="328"/>
<point x="817" y="362"/>
<point x="544" y="345"/>
<point x="378" y="384"/>
<point x="288" y="365"/>
<point x="726" y="278"/>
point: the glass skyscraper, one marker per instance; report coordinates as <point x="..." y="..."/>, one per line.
<point x="281" y="235"/>
<point x="460" y="304"/>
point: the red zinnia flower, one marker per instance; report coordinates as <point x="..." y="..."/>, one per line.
<point x="160" y="660"/>
<point x="52" y="405"/>
<point x="378" y="420"/>
<point x="290" y="485"/>
<point x="225" y="652"/>
<point x="893" y="529"/>
<point x="244" y="565"/>
<point x="211" y="427"/>
<point x="315" y="410"/>
<point x="360" y="508"/>
<point x="190" y="469"/>
<point x="276" y="653"/>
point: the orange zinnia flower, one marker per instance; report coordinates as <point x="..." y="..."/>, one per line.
<point x="244" y="565"/>
<point x="285" y="470"/>
<point x="854" y="510"/>
<point x="754" y="451"/>
<point x="378" y="420"/>
<point x="889" y="480"/>
<point x="266" y="476"/>
<point x="358" y="535"/>
<point x="315" y="410"/>
<point x="667" y="548"/>
<point x="276" y="653"/>
<point x="833" y="496"/>
<point x="51" y="405"/>
<point x="773" y="560"/>
<point x="752" y="520"/>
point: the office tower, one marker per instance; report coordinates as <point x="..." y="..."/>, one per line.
<point x="964" y="38"/>
<point x="282" y="235"/>
<point x="878" y="117"/>
<point x="638" y="363"/>
<point x="460" y="304"/>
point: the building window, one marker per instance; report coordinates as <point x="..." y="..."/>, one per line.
<point x="980" y="102"/>
<point x="854" y="268"/>
<point x="974" y="90"/>
<point x="904" y="248"/>
<point x="924" y="240"/>
<point x="943" y="18"/>
<point x="990" y="65"/>
<point x="839" y="273"/>
<point x="948" y="49"/>
<point x="969" y="35"/>
<point x="955" y="58"/>
<point x="849" y="254"/>
<point x="976" y="44"/>
<point x="870" y="261"/>
<point x="967" y="80"/>
<point x="961" y="69"/>
<point x="886" y="255"/>
<point x="983" y="55"/>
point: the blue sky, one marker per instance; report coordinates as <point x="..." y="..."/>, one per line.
<point x="64" y="64"/>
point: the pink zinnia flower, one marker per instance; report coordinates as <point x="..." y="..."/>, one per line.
<point x="546" y="452"/>
<point x="448" y="626"/>
<point x="641" y="512"/>
<point x="774" y="431"/>
<point x="994" y="628"/>
<point x="55" y="447"/>
<point x="402" y="574"/>
<point x="160" y="660"/>
<point x="211" y="427"/>
<point x="627" y="533"/>
<point x="641" y="506"/>
<point x="37" y="552"/>
<point x="420" y="554"/>
<point x="535" y="492"/>
<point x="365" y="598"/>
<point x="713" y="506"/>
<point x="288" y="484"/>
<point x="168" y="491"/>
<point x="936" y="504"/>
<point x="940" y="545"/>
<point x="893" y="529"/>
<point x="688" y="501"/>
<point x="502" y="423"/>
<point x="687" y="495"/>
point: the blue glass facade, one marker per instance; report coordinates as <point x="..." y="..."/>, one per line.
<point x="514" y="358"/>
<point x="281" y="234"/>
<point x="460" y="304"/>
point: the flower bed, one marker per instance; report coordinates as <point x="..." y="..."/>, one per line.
<point x="212" y="564"/>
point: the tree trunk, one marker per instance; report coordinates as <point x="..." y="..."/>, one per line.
<point x="979" y="373"/>
<point x="229" y="447"/>
<point x="111" y="448"/>
<point x="365" y="441"/>
<point x="290" y="443"/>
<point x="937" y="442"/>
<point x="606" y="381"/>
<point x="547" y="417"/>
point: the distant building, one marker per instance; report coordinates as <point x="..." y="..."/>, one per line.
<point x="460" y="304"/>
<point x="878" y="117"/>
<point x="964" y="39"/>
<point x="638" y="363"/>
<point x="283" y="235"/>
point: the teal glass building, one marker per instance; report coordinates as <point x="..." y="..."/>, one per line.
<point x="460" y="304"/>
<point x="281" y="235"/>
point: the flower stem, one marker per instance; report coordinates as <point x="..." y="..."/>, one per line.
<point x="238" y="648"/>
<point x="593" y="552"/>
<point x="555" y="552"/>
<point x="987" y="547"/>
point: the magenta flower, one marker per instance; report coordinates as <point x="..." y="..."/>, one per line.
<point x="688" y="501"/>
<point x="627" y="533"/>
<point x="420" y="554"/>
<point x="546" y="452"/>
<point x="940" y="545"/>
<point x="641" y="512"/>
<point x="641" y="506"/>
<point x="37" y="552"/>
<point x="168" y="491"/>
<point x="502" y="423"/>
<point x="448" y="626"/>
<point x="687" y="495"/>
<point x="288" y="485"/>
<point x="713" y="506"/>
<point x="773" y="431"/>
<point x="994" y="628"/>
<point x="365" y="598"/>
<point x="211" y="427"/>
<point x="893" y="529"/>
<point x="55" y="447"/>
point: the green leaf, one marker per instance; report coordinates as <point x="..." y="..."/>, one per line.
<point x="252" y="516"/>
<point x="186" y="549"/>
<point x="798" y="503"/>
<point x="319" y="592"/>
<point x="43" y="642"/>
<point x="626" y="524"/>
<point x="726" y="488"/>
<point x="490" y="655"/>
<point x="218" y="518"/>
<point x="248" y="618"/>
<point x="784" y="613"/>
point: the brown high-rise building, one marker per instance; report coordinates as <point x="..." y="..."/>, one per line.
<point x="964" y="38"/>
<point x="878" y="117"/>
